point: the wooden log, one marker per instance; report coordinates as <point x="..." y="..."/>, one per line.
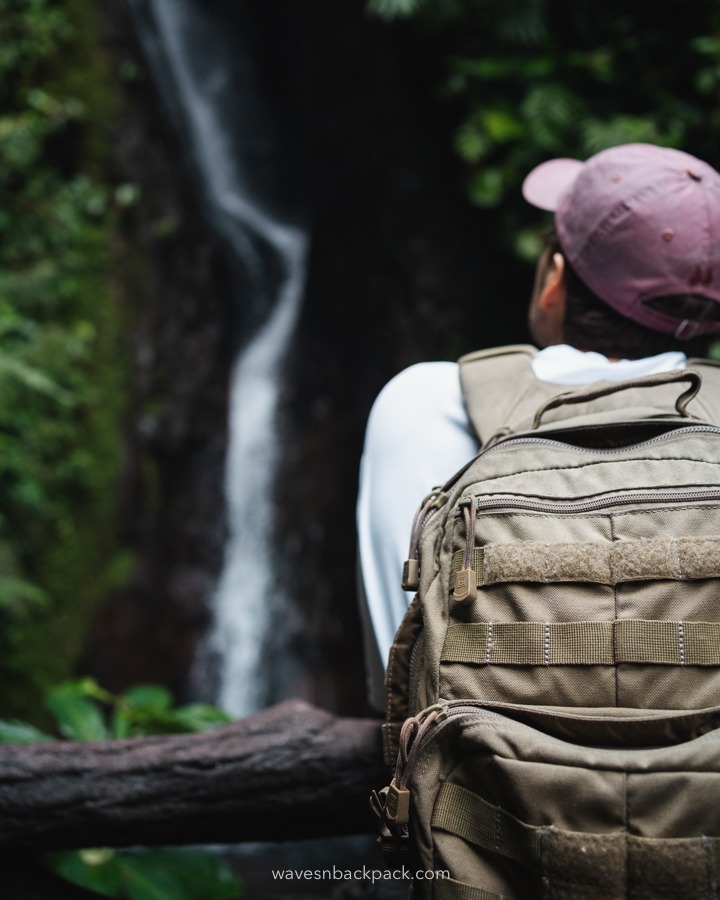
<point x="289" y="772"/>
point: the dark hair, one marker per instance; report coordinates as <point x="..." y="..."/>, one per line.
<point x="591" y="324"/>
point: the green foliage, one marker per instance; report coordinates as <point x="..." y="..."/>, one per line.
<point x="149" y="875"/>
<point x="14" y="732"/>
<point x="84" y="711"/>
<point x="532" y="79"/>
<point x="61" y="369"/>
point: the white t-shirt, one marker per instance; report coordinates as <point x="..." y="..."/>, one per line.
<point x="418" y="435"/>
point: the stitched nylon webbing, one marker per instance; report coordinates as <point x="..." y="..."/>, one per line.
<point x="598" y="562"/>
<point x="575" y="864"/>
<point x="584" y="643"/>
<point x="460" y="812"/>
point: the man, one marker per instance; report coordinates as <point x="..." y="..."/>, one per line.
<point x="629" y="285"/>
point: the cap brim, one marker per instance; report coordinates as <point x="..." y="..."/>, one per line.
<point x="548" y="183"/>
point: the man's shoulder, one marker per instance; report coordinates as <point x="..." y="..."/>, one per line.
<point x="431" y="375"/>
<point x="415" y="395"/>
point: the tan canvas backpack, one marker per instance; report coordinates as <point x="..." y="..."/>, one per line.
<point x="554" y="689"/>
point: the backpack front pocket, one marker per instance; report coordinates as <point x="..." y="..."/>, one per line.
<point x="520" y="802"/>
<point x="609" y="600"/>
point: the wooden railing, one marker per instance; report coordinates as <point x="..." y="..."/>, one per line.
<point x="289" y="772"/>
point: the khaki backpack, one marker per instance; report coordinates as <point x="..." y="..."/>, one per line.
<point x="554" y="689"/>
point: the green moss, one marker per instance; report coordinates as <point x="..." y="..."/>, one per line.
<point x="63" y="370"/>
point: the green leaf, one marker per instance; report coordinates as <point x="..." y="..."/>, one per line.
<point x="32" y="378"/>
<point x="12" y="731"/>
<point x="550" y="111"/>
<point x="528" y="244"/>
<point x="471" y="143"/>
<point x="85" y="687"/>
<point x="187" y="874"/>
<point x="95" y="869"/>
<point x="150" y="698"/>
<point x="502" y="126"/>
<point x="141" y="882"/>
<point x="200" y="717"/>
<point x="77" y="717"/>
<point x="164" y="874"/>
<point x="138" y="710"/>
<point x="18" y="595"/>
<point x="486" y="187"/>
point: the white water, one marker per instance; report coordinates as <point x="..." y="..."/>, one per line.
<point x="242" y="601"/>
<point x="190" y="55"/>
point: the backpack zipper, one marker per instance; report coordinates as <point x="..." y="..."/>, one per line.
<point x="439" y="495"/>
<point x="699" y="494"/>
<point x="393" y="802"/>
<point x="659" y="438"/>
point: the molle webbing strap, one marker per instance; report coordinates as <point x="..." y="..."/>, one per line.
<point x="609" y="866"/>
<point x="462" y="813"/>
<point x="494" y="382"/>
<point x="596" y="562"/>
<point x="635" y="641"/>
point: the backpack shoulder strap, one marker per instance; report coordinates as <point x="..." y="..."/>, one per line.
<point x="497" y="384"/>
<point x="707" y="402"/>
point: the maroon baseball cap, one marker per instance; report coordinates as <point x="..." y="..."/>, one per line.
<point x="636" y="223"/>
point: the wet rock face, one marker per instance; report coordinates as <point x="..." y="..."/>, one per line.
<point x="396" y="275"/>
<point x="175" y="282"/>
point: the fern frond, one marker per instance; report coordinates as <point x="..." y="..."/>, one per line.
<point x="550" y="111"/>
<point x="33" y="378"/>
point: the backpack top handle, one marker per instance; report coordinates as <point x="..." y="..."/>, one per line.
<point x="608" y="387"/>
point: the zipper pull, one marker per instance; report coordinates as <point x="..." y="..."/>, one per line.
<point x="396" y="797"/>
<point x="411" y="575"/>
<point x="391" y="805"/>
<point x="411" y="567"/>
<point x="465" y="587"/>
<point x="393" y="838"/>
<point x="397" y="804"/>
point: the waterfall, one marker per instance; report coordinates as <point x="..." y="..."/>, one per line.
<point x="209" y="85"/>
<point x="242" y="601"/>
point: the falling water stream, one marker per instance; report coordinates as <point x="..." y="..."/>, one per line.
<point x="210" y="88"/>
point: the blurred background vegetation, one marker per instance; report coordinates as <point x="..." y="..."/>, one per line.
<point x="532" y="79"/>
<point x="62" y="369"/>
<point x="520" y="81"/>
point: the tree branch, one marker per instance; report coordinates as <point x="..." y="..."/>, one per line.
<point x="289" y="772"/>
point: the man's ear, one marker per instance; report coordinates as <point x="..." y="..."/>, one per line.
<point x="553" y="291"/>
